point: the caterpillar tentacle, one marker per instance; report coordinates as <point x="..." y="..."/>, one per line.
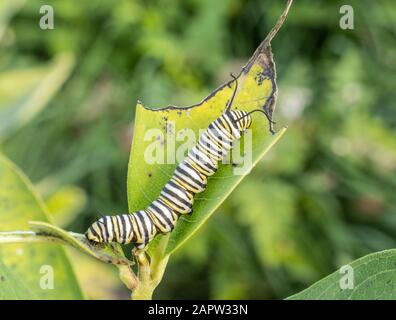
<point x="177" y="197"/>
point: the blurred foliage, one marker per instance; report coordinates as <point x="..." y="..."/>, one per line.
<point x="25" y="91"/>
<point x="65" y="204"/>
<point x="324" y="197"/>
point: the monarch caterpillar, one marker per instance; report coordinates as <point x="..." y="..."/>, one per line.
<point x="177" y="197"/>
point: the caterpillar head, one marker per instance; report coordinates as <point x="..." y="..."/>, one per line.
<point x="98" y="231"/>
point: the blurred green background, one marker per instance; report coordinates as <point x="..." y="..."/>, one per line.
<point x="324" y="196"/>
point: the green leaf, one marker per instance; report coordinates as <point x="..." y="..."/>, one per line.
<point x="256" y="87"/>
<point x="25" y="92"/>
<point x="20" y="264"/>
<point x="374" y="277"/>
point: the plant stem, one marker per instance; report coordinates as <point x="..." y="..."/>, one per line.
<point x="127" y="276"/>
<point x="150" y="272"/>
<point x="145" y="287"/>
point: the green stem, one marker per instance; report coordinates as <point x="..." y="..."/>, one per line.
<point x="150" y="272"/>
<point x="127" y="276"/>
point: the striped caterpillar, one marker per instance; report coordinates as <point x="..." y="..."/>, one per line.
<point x="177" y="197"/>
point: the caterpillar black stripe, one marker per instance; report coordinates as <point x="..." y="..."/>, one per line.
<point x="177" y="197"/>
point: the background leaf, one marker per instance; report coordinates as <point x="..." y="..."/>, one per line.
<point x="20" y="263"/>
<point x="25" y="92"/>
<point x="103" y="284"/>
<point x="373" y="278"/>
